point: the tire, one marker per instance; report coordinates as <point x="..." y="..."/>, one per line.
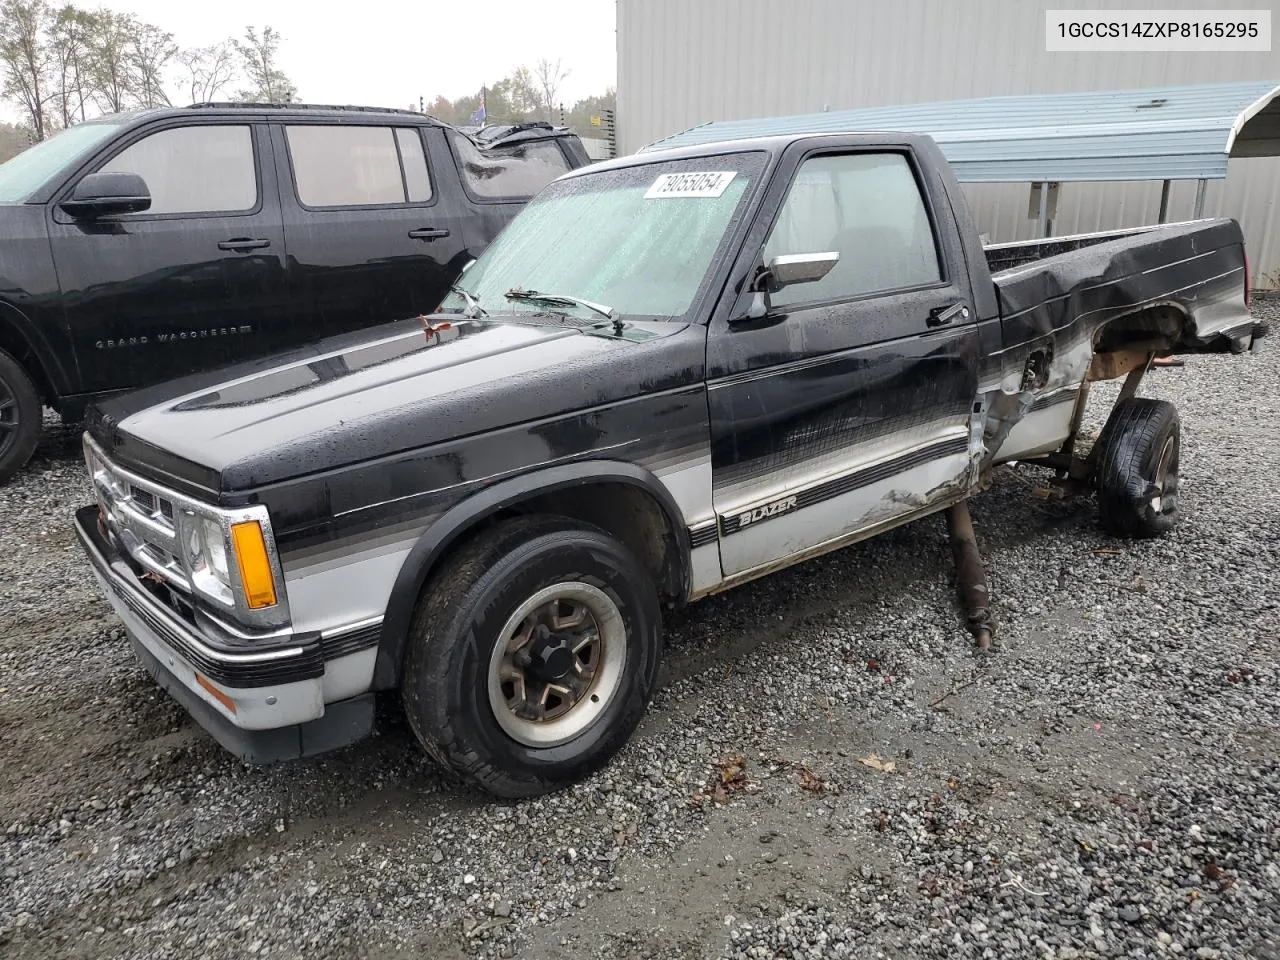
<point x="1137" y="473"/>
<point x="20" y="417"/>
<point x="500" y="724"/>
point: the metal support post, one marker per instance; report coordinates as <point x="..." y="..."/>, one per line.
<point x="1200" y="188"/>
<point x="1164" y="202"/>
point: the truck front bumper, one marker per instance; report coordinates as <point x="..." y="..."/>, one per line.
<point x="261" y="705"/>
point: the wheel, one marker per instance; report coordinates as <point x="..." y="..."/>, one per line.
<point x="20" y="416"/>
<point x="532" y="655"/>
<point x="1137" y="472"/>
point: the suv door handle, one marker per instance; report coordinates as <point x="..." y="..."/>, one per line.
<point x="243" y="243"/>
<point x="429" y="233"/>
<point x="941" y="316"/>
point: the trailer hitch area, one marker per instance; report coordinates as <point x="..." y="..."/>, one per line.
<point x="971" y="581"/>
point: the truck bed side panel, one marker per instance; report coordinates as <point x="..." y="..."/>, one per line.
<point x="1186" y="281"/>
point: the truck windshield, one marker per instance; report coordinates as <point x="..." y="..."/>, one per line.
<point x="641" y="239"/>
<point x="22" y="175"/>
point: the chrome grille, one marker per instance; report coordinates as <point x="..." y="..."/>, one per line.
<point x="141" y="516"/>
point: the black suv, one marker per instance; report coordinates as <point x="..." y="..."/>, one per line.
<point x="143" y="246"/>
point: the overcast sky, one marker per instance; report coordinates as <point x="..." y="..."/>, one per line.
<point x="389" y="52"/>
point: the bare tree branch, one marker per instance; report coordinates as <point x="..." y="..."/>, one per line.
<point x="267" y="82"/>
<point x="68" y="38"/>
<point x="208" y="70"/>
<point x="25" y="58"/>
<point x="115" y="81"/>
<point x="150" y="50"/>
<point x="549" y="76"/>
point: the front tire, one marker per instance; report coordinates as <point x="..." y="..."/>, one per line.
<point x="532" y="655"/>
<point x="20" y="417"/>
<point x="1137" y="474"/>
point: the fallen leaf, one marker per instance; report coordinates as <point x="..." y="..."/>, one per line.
<point x="1108" y="552"/>
<point x="1045" y="493"/>
<point x="733" y="770"/>
<point x="810" y="780"/>
<point x="875" y="763"/>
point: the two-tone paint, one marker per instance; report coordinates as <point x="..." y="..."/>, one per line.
<point x="754" y="443"/>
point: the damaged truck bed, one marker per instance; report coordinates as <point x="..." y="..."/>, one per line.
<point x="670" y="374"/>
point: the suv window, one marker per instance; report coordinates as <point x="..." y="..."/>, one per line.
<point x="516" y="171"/>
<point x="867" y="207"/>
<point x="358" y="166"/>
<point x="203" y="169"/>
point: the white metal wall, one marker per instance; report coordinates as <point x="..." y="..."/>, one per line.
<point x="685" y="62"/>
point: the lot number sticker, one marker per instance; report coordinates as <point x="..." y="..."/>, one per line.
<point x="710" y="184"/>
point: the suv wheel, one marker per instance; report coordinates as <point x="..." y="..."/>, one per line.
<point x="532" y="655"/>
<point x="20" y="417"/>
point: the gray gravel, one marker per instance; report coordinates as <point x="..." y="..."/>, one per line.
<point x="1107" y="784"/>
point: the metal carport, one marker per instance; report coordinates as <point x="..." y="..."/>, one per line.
<point x="1162" y="133"/>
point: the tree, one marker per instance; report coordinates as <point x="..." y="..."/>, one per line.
<point x="26" y="61"/>
<point x="208" y="70"/>
<point x="548" y="77"/>
<point x="150" y="50"/>
<point x="68" y="38"/>
<point x="267" y="82"/>
<point x="13" y="140"/>
<point x="579" y="116"/>
<point x="111" y="60"/>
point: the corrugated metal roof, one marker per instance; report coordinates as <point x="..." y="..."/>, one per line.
<point x="1175" y="133"/>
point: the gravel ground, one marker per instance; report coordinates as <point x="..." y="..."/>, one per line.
<point x="827" y="771"/>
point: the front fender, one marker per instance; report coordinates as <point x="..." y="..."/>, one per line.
<point x="464" y="516"/>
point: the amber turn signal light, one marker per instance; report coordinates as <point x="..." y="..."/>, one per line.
<point x="255" y="567"/>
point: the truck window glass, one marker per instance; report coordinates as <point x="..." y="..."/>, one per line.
<point x="204" y="169"/>
<point x="22" y="175"/>
<point x="518" y="170"/>
<point x="416" y="181"/>
<point x="867" y="207"/>
<point x="603" y="237"/>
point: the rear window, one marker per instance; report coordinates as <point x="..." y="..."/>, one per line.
<point x="358" y="166"/>
<point x="516" y="171"/>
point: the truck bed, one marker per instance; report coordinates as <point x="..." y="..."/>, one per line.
<point x="1044" y="287"/>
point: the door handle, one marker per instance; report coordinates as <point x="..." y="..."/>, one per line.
<point x="243" y="243"/>
<point x="941" y="316"/>
<point x="429" y="233"/>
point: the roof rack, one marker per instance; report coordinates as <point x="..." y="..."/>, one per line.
<point x="228" y="105"/>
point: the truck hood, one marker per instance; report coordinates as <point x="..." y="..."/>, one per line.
<point x="382" y="391"/>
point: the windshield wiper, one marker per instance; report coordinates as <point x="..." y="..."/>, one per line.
<point x="474" y="309"/>
<point x="562" y="300"/>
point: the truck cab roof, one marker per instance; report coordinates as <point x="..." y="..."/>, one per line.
<point x="775" y="146"/>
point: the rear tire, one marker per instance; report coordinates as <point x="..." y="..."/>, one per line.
<point x="503" y="681"/>
<point x="20" y="416"/>
<point x="1137" y="474"/>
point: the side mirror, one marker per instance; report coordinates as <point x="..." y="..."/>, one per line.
<point x="791" y="268"/>
<point x="107" y="194"/>
<point x="783" y="271"/>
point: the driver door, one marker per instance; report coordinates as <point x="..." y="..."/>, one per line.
<point x="195" y="281"/>
<point x="848" y="406"/>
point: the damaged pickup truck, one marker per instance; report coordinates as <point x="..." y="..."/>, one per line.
<point x="670" y="374"/>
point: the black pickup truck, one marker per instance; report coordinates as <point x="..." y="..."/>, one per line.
<point x="149" y="245"/>
<point x="670" y="374"/>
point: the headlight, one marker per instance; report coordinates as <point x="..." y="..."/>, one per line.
<point x="204" y="549"/>
<point x="215" y="545"/>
